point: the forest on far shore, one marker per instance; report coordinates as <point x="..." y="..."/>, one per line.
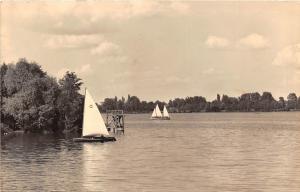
<point x="247" y="102"/>
<point x="33" y="101"/>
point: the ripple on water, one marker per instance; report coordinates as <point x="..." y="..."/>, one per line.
<point x="191" y="152"/>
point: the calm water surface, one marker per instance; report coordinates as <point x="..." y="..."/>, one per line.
<point x="191" y="152"/>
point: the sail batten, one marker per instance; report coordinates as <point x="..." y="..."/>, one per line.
<point x="93" y="123"/>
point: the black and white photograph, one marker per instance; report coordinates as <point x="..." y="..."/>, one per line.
<point x="149" y="96"/>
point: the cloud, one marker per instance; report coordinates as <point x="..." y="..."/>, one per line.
<point x="85" y="69"/>
<point x="72" y="41"/>
<point x="84" y="17"/>
<point x="289" y="59"/>
<point x="176" y="79"/>
<point x="127" y="9"/>
<point x="82" y="70"/>
<point x="61" y="72"/>
<point x="96" y="44"/>
<point x="106" y="49"/>
<point x="253" y="40"/>
<point x="208" y="71"/>
<point x="288" y="56"/>
<point x="6" y="49"/>
<point x="216" y="42"/>
<point x="180" y="7"/>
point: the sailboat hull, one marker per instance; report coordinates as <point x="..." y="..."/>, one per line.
<point x="160" y="118"/>
<point x="95" y="139"/>
<point x="155" y="118"/>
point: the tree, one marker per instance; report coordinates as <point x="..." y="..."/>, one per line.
<point x="132" y="104"/>
<point x="229" y="103"/>
<point x="109" y="104"/>
<point x="29" y="93"/>
<point x="218" y="98"/>
<point x="267" y="101"/>
<point x="3" y="93"/>
<point x="215" y="106"/>
<point x="281" y="103"/>
<point x="291" y="101"/>
<point x="254" y="101"/>
<point x="70" y="102"/>
<point x="245" y="102"/>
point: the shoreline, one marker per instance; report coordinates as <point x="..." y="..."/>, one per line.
<point x="215" y="112"/>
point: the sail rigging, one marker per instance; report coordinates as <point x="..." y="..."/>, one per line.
<point x="93" y="123"/>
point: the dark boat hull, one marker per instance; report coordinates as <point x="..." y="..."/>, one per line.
<point x="95" y="139"/>
<point x="160" y="118"/>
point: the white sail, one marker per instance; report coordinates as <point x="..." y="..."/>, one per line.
<point x="153" y="113"/>
<point x="157" y="110"/>
<point x="165" y="112"/>
<point x="93" y="123"/>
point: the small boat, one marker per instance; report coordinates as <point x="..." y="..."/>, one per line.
<point x="166" y="115"/>
<point x="93" y="128"/>
<point x="157" y="115"/>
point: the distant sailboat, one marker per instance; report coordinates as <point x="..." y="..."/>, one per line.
<point x="156" y="114"/>
<point x="166" y="115"/>
<point x="93" y="128"/>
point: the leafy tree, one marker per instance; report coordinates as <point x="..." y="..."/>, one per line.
<point x="267" y="101"/>
<point x="3" y="91"/>
<point x="254" y="101"/>
<point x="291" y="101"/>
<point x="70" y="102"/>
<point x="132" y="104"/>
<point x="281" y="103"/>
<point x="215" y="106"/>
<point x="29" y="94"/>
<point x="245" y="102"/>
<point x="109" y="104"/>
<point x="229" y="103"/>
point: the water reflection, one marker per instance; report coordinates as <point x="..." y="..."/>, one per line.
<point x="94" y="159"/>
<point x="192" y="152"/>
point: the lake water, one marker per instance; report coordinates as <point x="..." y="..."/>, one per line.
<point x="191" y="152"/>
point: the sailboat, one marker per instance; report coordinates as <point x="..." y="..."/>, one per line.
<point x="166" y="115"/>
<point x="93" y="128"/>
<point x="156" y="114"/>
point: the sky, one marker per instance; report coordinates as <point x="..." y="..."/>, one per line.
<point x="159" y="50"/>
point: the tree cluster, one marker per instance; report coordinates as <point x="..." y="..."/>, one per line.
<point x="33" y="101"/>
<point x="132" y="105"/>
<point x="245" y="103"/>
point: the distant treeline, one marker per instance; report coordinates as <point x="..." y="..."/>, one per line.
<point x="33" y="101"/>
<point x="245" y="103"/>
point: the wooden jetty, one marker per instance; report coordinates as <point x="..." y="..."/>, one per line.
<point x="115" y="121"/>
